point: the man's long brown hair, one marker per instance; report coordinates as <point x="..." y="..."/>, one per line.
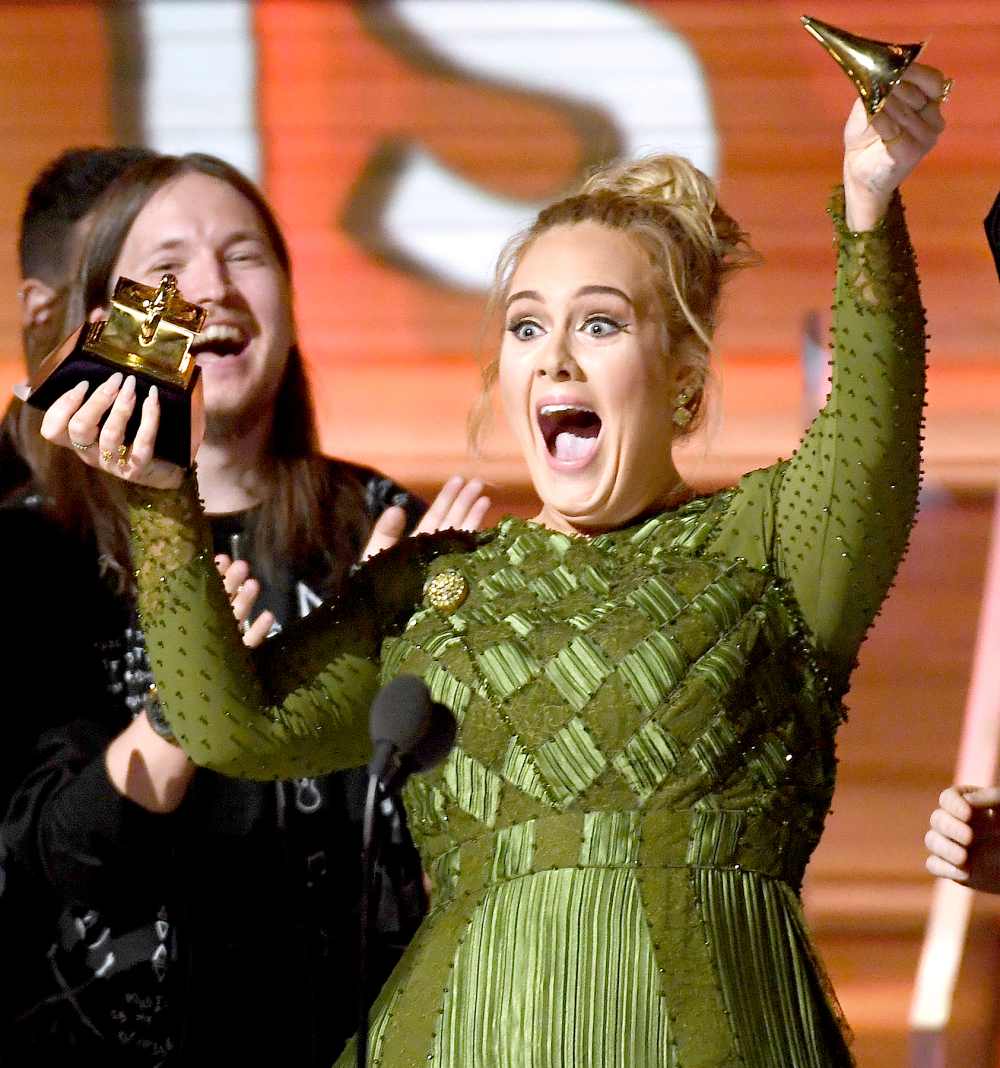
<point x="306" y="516"/>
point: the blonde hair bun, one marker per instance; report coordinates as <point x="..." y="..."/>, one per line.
<point x="688" y="194"/>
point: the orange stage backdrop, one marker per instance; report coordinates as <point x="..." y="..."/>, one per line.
<point x="347" y="94"/>
<point x="54" y="92"/>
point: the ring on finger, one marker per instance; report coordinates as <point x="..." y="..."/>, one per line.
<point x="123" y="455"/>
<point x="946" y="90"/>
<point x="83" y="446"/>
<point x="107" y="455"/>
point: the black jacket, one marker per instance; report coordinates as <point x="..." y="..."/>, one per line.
<point x="224" y="931"/>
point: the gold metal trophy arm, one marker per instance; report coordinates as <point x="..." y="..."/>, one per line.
<point x="875" y="67"/>
<point x="155" y="309"/>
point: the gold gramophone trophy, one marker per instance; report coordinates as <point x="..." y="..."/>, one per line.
<point x="875" y="67"/>
<point x="148" y="333"/>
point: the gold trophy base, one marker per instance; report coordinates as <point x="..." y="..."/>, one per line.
<point x="82" y="357"/>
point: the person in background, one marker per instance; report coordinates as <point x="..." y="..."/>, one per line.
<point x="217" y="920"/>
<point x="53" y="224"/>
<point x="963" y="841"/>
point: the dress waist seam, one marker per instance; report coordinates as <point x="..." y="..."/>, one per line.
<point x="629" y="840"/>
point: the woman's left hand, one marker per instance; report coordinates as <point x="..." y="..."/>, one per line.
<point x="880" y="153"/>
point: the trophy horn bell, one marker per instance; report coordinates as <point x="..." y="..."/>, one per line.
<point x="875" y="67"/>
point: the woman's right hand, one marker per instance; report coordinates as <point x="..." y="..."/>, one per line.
<point x="74" y="421"/>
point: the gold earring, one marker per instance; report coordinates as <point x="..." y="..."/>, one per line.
<point x="682" y="413"/>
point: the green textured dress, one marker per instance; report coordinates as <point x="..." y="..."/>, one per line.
<point x="647" y="720"/>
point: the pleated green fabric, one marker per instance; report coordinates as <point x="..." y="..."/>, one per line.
<point x="597" y="944"/>
<point x="645" y="754"/>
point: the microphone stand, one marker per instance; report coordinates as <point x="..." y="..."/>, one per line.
<point x="369" y="854"/>
<point x="418" y="741"/>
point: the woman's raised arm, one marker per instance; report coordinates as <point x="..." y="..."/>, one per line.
<point x="835" y="519"/>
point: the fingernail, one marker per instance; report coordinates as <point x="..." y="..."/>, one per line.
<point x="154" y="393"/>
<point x="113" y="382"/>
<point x="129" y="386"/>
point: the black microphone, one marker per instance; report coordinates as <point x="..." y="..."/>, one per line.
<point x="438" y="739"/>
<point x="400" y="717"/>
<point x="428" y="751"/>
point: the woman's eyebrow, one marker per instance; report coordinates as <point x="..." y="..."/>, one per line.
<point x="613" y="291"/>
<point x="583" y="291"/>
<point x="524" y="294"/>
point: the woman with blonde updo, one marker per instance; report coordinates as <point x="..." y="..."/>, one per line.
<point x="648" y="683"/>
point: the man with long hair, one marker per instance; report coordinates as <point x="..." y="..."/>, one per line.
<point x="187" y="902"/>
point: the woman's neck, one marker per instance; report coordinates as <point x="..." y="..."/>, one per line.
<point x="551" y="518"/>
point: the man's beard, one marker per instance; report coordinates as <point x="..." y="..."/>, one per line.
<point x="230" y="425"/>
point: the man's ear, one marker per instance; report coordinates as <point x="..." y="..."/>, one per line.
<point x="38" y="301"/>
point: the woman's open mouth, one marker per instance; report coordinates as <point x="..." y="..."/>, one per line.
<point x="570" y="433"/>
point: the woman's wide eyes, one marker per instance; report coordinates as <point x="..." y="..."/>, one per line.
<point x="601" y="326"/>
<point x="525" y="330"/>
<point x="597" y="326"/>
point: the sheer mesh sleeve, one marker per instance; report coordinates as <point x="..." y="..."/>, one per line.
<point x="835" y="519"/>
<point x="299" y="705"/>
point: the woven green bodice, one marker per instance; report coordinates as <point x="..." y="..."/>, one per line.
<point x="645" y="753"/>
<point x="634" y="672"/>
<point x="636" y="713"/>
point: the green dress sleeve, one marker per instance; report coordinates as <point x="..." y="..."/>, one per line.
<point x="834" y="520"/>
<point x="299" y="704"/>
